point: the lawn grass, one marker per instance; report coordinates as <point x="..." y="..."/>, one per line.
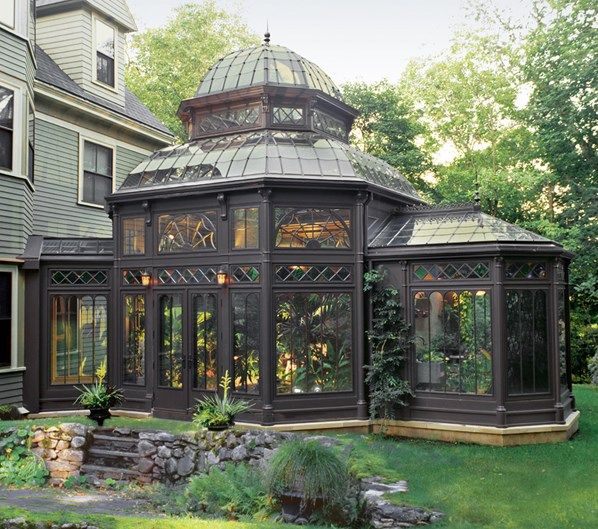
<point x="552" y="486"/>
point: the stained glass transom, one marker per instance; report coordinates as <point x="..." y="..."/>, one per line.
<point x="132" y="277"/>
<point x="187" y="233"/>
<point x="525" y="270"/>
<point x="287" y="116"/>
<point x="312" y="228"/>
<point x="245" y="274"/>
<point x="230" y="118"/>
<point x="186" y="276"/>
<point x="79" y="277"/>
<point x="451" y="271"/>
<point x="329" y="125"/>
<point x="313" y="273"/>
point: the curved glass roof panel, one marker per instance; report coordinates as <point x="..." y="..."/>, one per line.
<point x="267" y="152"/>
<point x="265" y="64"/>
<point x="451" y="227"/>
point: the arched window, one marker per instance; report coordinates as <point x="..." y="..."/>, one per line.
<point x="313" y="228"/>
<point x="189" y="232"/>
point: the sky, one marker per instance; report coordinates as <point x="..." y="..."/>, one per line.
<point x="351" y="40"/>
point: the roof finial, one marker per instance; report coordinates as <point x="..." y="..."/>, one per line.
<point x="267" y="35"/>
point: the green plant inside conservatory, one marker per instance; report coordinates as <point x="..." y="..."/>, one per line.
<point x="99" y="397"/>
<point x="218" y="413"/>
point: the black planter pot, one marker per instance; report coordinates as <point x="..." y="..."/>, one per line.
<point x="99" y="415"/>
<point x="220" y="427"/>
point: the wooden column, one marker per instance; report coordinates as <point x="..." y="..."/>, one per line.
<point x="499" y="342"/>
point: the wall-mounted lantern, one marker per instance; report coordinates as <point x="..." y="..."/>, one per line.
<point x="146" y="278"/>
<point x="222" y="276"/>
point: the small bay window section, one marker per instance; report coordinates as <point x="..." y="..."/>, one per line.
<point x="133" y="236"/>
<point x="31" y="143"/>
<point x="313" y="228"/>
<point x="230" y="118"/>
<point x="105" y="41"/>
<point x="246" y="342"/>
<point x="188" y="232"/>
<point x="314" y="338"/>
<point x="170" y="343"/>
<point x="527" y="341"/>
<point x="245" y="228"/>
<point x="78" y="337"/>
<point x="6" y="319"/>
<point x="134" y="330"/>
<point x="98" y="173"/>
<point x="7" y="99"/>
<point x="453" y="348"/>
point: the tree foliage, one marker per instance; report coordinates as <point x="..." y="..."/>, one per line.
<point x="166" y="64"/>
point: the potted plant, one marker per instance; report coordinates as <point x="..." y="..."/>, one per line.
<point x="432" y="368"/>
<point x="308" y="479"/>
<point x="216" y="413"/>
<point x="99" y="397"/>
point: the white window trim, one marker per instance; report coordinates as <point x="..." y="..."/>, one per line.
<point x="17" y="128"/>
<point x="14" y="316"/>
<point x="94" y="54"/>
<point x="21" y="21"/>
<point x="98" y="141"/>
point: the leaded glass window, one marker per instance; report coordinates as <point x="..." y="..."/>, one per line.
<point x="246" y="345"/>
<point x="453" y="347"/>
<point x="526" y="270"/>
<point x="189" y="232"/>
<point x="81" y="278"/>
<point x="326" y="123"/>
<point x="134" y="331"/>
<point x="245" y="274"/>
<point x="78" y="337"/>
<point x="450" y="271"/>
<point x="313" y="342"/>
<point x="205" y="331"/>
<point x="170" y="343"/>
<point x="133" y="236"/>
<point x="287" y="116"/>
<point x="132" y="277"/>
<point x="230" y="118"/>
<point x="245" y="228"/>
<point x="186" y="276"/>
<point x="313" y="273"/>
<point x="313" y="228"/>
<point x="527" y="341"/>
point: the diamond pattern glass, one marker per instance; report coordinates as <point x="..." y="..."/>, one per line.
<point x="287" y="116"/>
<point x="313" y="274"/>
<point x="78" y="247"/>
<point x="132" y="277"/>
<point x="329" y="125"/>
<point x="79" y="277"/>
<point x="451" y="271"/>
<point x="525" y="270"/>
<point x="231" y="118"/>
<point x="265" y="64"/>
<point x="245" y="274"/>
<point x="313" y="228"/>
<point x="186" y="276"/>
<point x="265" y="152"/>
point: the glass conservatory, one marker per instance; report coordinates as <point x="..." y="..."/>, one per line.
<point x="244" y="249"/>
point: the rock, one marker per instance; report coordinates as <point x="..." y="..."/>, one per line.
<point x="75" y="456"/>
<point x="165" y="437"/>
<point x="74" y="429"/>
<point x="224" y="454"/>
<point x="177" y="452"/>
<point x="148" y="436"/>
<point x="212" y="459"/>
<point x="239" y="453"/>
<point x="164" y="452"/>
<point x="62" y="445"/>
<point x="170" y="467"/>
<point x="78" y="442"/>
<point x="323" y="440"/>
<point x="185" y="466"/>
<point x="145" y="448"/>
<point x="123" y="431"/>
<point x="61" y="466"/>
<point x="145" y="465"/>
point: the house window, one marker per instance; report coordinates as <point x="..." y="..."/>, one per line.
<point x="188" y="232"/>
<point x="313" y="342"/>
<point x="134" y="329"/>
<point x="453" y="345"/>
<point x="527" y="341"/>
<point x="7" y="98"/>
<point x="246" y="346"/>
<point x="105" y="46"/>
<point x="98" y="171"/>
<point x="245" y="228"/>
<point x="5" y="319"/>
<point x="133" y="236"/>
<point x="31" y="145"/>
<point x="312" y="228"/>
<point x="78" y="337"/>
<point x="7" y="13"/>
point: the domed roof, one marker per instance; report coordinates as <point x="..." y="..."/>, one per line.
<point x="265" y="64"/>
<point x="307" y="155"/>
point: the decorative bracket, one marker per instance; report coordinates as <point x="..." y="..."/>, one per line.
<point x="265" y="194"/>
<point x="221" y="198"/>
<point x="148" y="212"/>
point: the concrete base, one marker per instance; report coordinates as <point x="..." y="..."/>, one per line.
<point x="350" y="425"/>
<point x="485" y="435"/>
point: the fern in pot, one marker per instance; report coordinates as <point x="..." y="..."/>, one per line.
<point x="99" y="397"/>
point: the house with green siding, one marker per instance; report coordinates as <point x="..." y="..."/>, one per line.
<point x="70" y="132"/>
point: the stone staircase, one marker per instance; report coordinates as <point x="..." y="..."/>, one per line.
<point x="113" y="455"/>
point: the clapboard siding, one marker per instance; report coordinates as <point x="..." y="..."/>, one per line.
<point x="13" y="53"/>
<point x="116" y="9"/>
<point x="126" y="161"/>
<point x="11" y="388"/>
<point x="16" y="219"/>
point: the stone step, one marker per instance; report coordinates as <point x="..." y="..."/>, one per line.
<point x="125" y="444"/>
<point x="119" y="474"/>
<point x="111" y="458"/>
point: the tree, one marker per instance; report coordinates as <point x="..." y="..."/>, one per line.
<point x="166" y="64"/>
<point x="388" y="128"/>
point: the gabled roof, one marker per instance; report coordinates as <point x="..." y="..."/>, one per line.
<point x="117" y="10"/>
<point x="49" y="72"/>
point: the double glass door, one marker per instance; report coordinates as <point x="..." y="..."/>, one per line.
<point x="186" y="347"/>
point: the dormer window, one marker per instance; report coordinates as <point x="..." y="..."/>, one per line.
<point x="105" y="40"/>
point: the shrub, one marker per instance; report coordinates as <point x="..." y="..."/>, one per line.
<point x="9" y="413"/>
<point x="18" y="466"/>
<point x="593" y="368"/>
<point x="237" y="490"/>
